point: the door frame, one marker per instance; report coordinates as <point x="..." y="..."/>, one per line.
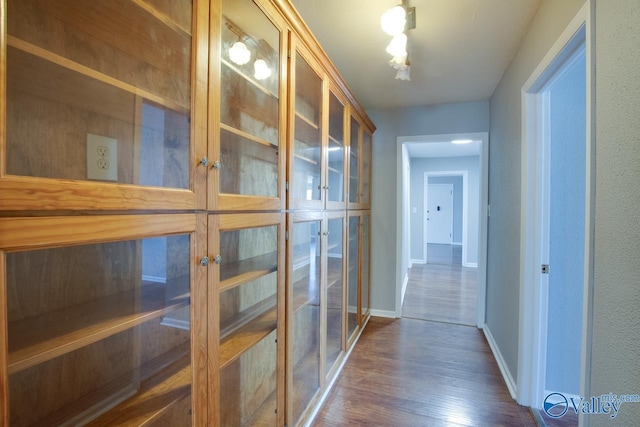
<point x="535" y="140"/>
<point x="403" y="209"/>
<point x="465" y="218"/>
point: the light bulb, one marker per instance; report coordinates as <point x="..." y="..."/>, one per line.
<point x="261" y="70"/>
<point x="394" y="20"/>
<point x="404" y="74"/>
<point x="398" y="62"/>
<point x="239" y="53"/>
<point x="398" y="45"/>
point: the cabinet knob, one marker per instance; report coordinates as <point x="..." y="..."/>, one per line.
<point x="204" y="161"/>
<point x="204" y="261"/>
<point x="217" y="165"/>
<point x="217" y="259"/>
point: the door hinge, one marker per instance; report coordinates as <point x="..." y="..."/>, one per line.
<point x="545" y="269"/>
<point x="286" y="235"/>
<point x="286" y="185"/>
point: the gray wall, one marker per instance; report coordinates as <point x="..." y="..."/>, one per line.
<point x="418" y="168"/>
<point x="566" y="229"/>
<point x="456" y="181"/>
<point x="391" y="124"/>
<point x="503" y="258"/>
<point x="615" y="364"/>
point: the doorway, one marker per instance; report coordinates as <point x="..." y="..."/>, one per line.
<point x="555" y="226"/>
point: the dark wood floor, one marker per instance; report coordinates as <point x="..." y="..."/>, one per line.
<point x="409" y="372"/>
<point x="444" y="292"/>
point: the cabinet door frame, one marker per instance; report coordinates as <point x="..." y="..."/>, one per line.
<point x="217" y="201"/>
<point x="30" y="233"/>
<point x="350" y="339"/>
<point x="218" y="223"/>
<point x="27" y="193"/>
<point x="297" y="47"/>
<point x="335" y="91"/>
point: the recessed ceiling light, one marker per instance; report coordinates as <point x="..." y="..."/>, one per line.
<point x="461" y="141"/>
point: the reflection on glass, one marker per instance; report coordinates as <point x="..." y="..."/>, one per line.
<point x="117" y="313"/>
<point x="366" y="168"/>
<point x="70" y="76"/>
<point x="335" y="286"/>
<point x="352" y="277"/>
<point x="307" y="141"/>
<point x="354" y="169"/>
<point x="366" y="286"/>
<point x="336" y="150"/>
<point x="306" y="314"/>
<point x="249" y="101"/>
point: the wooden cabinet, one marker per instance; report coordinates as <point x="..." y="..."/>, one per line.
<point x="178" y="182"/>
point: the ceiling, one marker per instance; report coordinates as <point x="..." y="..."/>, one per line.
<point x="458" y="50"/>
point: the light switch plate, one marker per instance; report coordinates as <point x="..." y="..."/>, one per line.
<point x="102" y="158"/>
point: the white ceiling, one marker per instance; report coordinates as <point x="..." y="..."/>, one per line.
<point x="458" y="50"/>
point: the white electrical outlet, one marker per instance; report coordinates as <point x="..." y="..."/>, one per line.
<point x="102" y="158"/>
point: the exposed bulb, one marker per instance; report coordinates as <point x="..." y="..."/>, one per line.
<point x="261" y="70"/>
<point x="398" y="62"/>
<point x="239" y="54"/>
<point x="404" y="74"/>
<point x="394" y="20"/>
<point x="398" y="45"/>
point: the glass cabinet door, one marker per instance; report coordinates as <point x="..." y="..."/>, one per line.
<point x="99" y="97"/>
<point x="305" y="286"/>
<point x="366" y="170"/>
<point x="354" y="163"/>
<point x="335" y="292"/>
<point x="353" y="276"/>
<point x="248" y="162"/>
<point x="250" y="282"/>
<point x="101" y="333"/>
<point x="305" y="183"/>
<point x="336" y="152"/>
<point x="365" y="283"/>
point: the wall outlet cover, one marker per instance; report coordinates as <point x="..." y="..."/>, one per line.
<point x="102" y="158"/>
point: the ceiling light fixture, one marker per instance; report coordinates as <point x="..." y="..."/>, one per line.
<point x="461" y="141"/>
<point x="394" y="22"/>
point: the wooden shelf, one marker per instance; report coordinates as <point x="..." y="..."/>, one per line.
<point x="244" y="317"/>
<point x="306" y="159"/>
<point x="333" y="275"/>
<point x="246" y="77"/>
<point x="237" y="273"/>
<point x="157" y="394"/>
<point x="40" y="338"/>
<point x="306" y="130"/>
<point x="265" y="415"/>
<point x="335" y="141"/>
<point x="248" y="136"/>
<point x="119" y="391"/>
<point x="232" y="346"/>
<point x="183" y="28"/>
<point x="304" y="294"/>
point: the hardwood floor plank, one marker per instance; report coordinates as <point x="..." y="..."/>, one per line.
<point x="409" y="372"/>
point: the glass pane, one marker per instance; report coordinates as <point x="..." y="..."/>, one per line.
<point x="95" y="329"/>
<point x="86" y="102"/>
<point x="336" y="150"/>
<point x="249" y="100"/>
<point x="366" y="168"/>
<point x="248" y="325"/>
<point x="366" y="286"/>
<point x="307" y="143"/>
<point x="353" y="162"/>
<point x="352" y="301"/>
<point x="305" y="314"/>
<point x="249" y="384"/>
<point x="334" y="292"/>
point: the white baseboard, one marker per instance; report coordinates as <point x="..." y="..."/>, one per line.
<point x="384" y="313"/>
<point x="508" y="378"/>
<point x="417" y="261"/>
<point x="470" y="264"/>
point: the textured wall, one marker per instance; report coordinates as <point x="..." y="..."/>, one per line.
<point x="386" y="268"/>
<point x="503" y="263"/>
<point x="615" y="364"/>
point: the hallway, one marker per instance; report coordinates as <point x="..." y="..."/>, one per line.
<point x="409" y="372"/>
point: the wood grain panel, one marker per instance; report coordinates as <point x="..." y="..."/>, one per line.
<point x="22" y="233"/>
